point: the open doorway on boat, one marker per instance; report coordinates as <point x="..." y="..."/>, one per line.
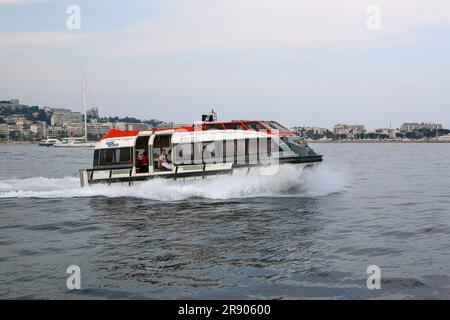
<point x="162" y="153"/>
<point x="141" y="155"/>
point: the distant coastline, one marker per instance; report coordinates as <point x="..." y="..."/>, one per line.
<point x="310" y="142"/>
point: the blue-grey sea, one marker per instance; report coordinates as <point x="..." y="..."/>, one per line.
<point x="294" y="235"/>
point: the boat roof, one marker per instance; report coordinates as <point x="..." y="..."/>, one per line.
<point x="271" y="127"/>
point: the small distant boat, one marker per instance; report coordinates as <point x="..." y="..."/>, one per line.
<point x="74" y="143"/>
<point x="48" y="142"/>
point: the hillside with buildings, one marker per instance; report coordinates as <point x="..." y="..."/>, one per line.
<point x="19" y="122"/>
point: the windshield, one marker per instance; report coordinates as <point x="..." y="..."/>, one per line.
<point x="275" y="126"/>
<point x="294" y="139"/>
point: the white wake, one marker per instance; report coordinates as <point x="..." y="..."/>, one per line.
<point x="288" y="182"/>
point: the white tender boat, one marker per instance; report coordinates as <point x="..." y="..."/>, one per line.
<point x="48" y="142"/>
<point x="196" y="152"/>
<point x="74" y="143"/>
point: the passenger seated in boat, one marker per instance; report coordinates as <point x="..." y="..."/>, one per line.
<point x="167" y="161"/>
<point x="144" y="159"/>
<point x="138" y="159"/>
<point x="161" y="159"/>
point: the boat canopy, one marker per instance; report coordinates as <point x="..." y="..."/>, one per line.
<point x="271" y="127"/>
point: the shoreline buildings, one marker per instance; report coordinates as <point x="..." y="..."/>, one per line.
<point x="20" y="122"/>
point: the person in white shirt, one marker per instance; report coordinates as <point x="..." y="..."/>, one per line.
<point x="166" y="160"/>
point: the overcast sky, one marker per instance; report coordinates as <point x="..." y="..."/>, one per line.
<point x="309" y="62"/>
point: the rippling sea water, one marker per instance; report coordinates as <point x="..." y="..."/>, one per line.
<point x="295" y="235"/>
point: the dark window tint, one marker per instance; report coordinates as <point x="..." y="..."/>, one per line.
<point x="254" y="126"/>
<point x="276" y="126"/>
<point x="124" y="156"/>
<point x="96" y="154"/>
<point x="234" y="126"/>
<point x="282" y="128"/>
<point x="106" y="157"/>
<point x="213" y="126"/>
<point x="110" y="157"/>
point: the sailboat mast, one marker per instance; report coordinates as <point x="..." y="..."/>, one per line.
<point x="83" y="89"/>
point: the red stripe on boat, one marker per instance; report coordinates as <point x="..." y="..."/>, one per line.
<point x="114" y="133"/>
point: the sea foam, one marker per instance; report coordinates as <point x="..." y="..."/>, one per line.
<point x="289" y="181"/>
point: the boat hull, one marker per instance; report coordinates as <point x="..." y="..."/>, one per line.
<point x="126" y="177"/>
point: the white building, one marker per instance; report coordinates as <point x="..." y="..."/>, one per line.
<point x="99" y="129"/>
<point x="349" y="129"/>
<point x="74" y="130"/>
<point x="14" y="118"/>
<point x="4" y="129"/>
<point x="411" y="126"/>
<point x="61" y="118"/>
<point x="39" y="129"/>
<point x="131" y="126"/>
<point x="123" y="126"/>
<point x="138" y="126"/>
<point x="92" y="113"/>
<point x="310" y="130"/>
<point x="445" y="138"/>
<point x="387" y="132"/>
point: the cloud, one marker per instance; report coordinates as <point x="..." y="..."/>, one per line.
<point x="236" y="26"/>
<point x="254" y="25"/>
<point x="38" y="39"/>
<point x="5" y="2"/>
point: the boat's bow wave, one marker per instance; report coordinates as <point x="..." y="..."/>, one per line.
<point x="288" y="182"/>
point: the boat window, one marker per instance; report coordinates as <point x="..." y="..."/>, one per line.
<point x="183" y="153"/>
<point x="252" y="146"/>
<point x="275" y="126"/>
<point x="110" y="157"/>
<point x="295" y="139"/>
<point x="252" y="150"/>
<point x="106" y="157"/>
<point x="269" y="125"/>
<point x="96" y="155"/>
<point x="234" y="126"/>
<point x="284" y="147"/>
<point x="212" y="126"/>
<point x="240" y="151"/>
<point x="280" y="127"/>
<point x="254" y="126"/>
<point x="124" y="156"/>
<point x="264" y="146"/>
<point x="240" y="147"/>
<point x="229" y="150"/>
<point x="275" y="145"/>
<point x="198" y="152"/>
<point x="212" y="151"/>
